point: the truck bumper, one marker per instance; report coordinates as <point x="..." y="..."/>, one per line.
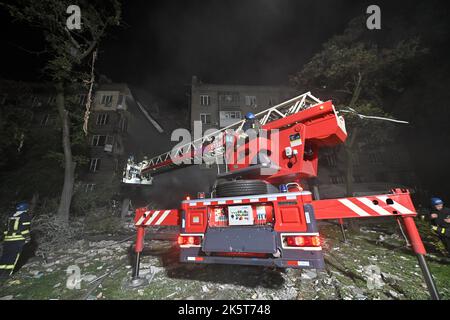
<point x="290" y="258"/>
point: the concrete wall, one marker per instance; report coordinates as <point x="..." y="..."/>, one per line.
<point x="233" y="98"/>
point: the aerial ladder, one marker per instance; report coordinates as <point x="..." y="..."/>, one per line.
<point x="258" y="212"/>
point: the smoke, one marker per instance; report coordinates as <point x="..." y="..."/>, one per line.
<point x="245" y="42"/>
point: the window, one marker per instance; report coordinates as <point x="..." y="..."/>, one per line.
<point x="35" y="101"/>
<point x="121" y="102"/>
<point x="102" y="119"/>
<point x="355" y="159"/>
<point x="109" y="140"/>
<point x="250" y="100"/>
<point x="338" y="179"/>
<point x="205" y="100"/>
<point x="205" y="118"/>
<point x="229" y="98"/>
<point x="357" y="178"/>
<point x="89" y="187"/>
<point x="51" y="100"/>
<point x="47" y="120"/>
<point x="98" y="140"/>
<point x="123" y="124"/>
<point x="381" y="176"/>
<point x="106" y="99"/>
<point x="375" y="158"/>
<point x="94" y="165"/>
<point x="3" y="98"/>
<point x="232" y="114"/>
<point x="331" y="159"/>
<point x="82" y="98"/>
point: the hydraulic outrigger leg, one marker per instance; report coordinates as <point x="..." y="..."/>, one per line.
<point x="419" y="249"/>
<point x="138" y="250"/>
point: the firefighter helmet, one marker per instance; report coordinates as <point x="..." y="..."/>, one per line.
<point x="436" y="201"/>
<point x="250" y="116"/>
<point x="22" y="206"/>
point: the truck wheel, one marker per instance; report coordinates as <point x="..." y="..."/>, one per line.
<point x="241" y="188"/>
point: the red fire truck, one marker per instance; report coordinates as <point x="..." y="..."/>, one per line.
<point x="258" y="212"/>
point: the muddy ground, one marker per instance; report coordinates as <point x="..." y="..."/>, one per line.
<point x="373" y="264"/>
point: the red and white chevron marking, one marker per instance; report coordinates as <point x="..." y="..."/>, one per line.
<point x="157" y="218"/>
<point x="244" y="200"/>
<point x="359" y="207"/>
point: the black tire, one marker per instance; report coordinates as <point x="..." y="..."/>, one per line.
<point x="240" y="188"/>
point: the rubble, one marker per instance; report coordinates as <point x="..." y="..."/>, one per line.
<point x="345" y="276"/>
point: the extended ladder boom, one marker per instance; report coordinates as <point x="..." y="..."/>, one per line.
<point x="211" y="146"/>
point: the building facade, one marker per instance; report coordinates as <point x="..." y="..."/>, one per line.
<point x="219" y="105"/>
<point x="375" y="169"/>
<point x="106" y="145"/>
<point x="108" y="135"/>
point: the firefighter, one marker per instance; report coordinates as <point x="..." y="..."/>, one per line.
<point x="251" y="122"/>
<point x="440" y="218"/>
<point x="432" y="213"/>
<point x="17" y="234"/>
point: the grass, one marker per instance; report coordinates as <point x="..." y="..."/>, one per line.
<point x="344" y="278"/>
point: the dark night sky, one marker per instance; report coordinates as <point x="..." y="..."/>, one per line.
<point x="164" y="43"/>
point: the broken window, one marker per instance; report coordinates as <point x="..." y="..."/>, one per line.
<point x="205" y="100"/>
<point x="106" y="99"/>
<point x="89" y="187"/>
<point x="375" y="158"/>
<point x="3" y="98"/>
<point x="250" y="101"/>
<point x="102" y="119"/>
<point x="123" y="124"/>
<point x="94" y="165"/>
<point x="51" y="100"/>
<point x="381" y="176"/>
<point x="82" y="98"/>
<point x="331" y="159"/>
<point x="356" y="161"/>
<point x="229" y="98"/>
<point x="337" y="179"/>
<point x="98" y="140"/>
<point x="47" y="120"/>
<point x="35" y="101"/>
<point x="121" y="102"/>
<point x="205" y="118"/>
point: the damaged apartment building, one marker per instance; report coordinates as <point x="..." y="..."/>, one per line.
<point x="116" y="127"/>
<point x="374" y="167"/>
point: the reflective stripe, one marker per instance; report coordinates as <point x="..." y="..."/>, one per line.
<point x="354" y="207"/>
<point x="25" y="232"/>
<point x="374" y="207"/>
<point x="153" y="217"/>
<point x="17" y="238"/>
<point x="397" y="206"/>
<point x="26" y="223"/>
<point x="163" y="216"/>
<point x="16" y="224"/>
<point x="443" y="230"/>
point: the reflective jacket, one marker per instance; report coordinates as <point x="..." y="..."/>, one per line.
<point x="18" y="227"/>
<point x="441" y="227"/>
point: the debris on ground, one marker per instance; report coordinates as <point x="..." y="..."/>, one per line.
<point x="370" y="265"/>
